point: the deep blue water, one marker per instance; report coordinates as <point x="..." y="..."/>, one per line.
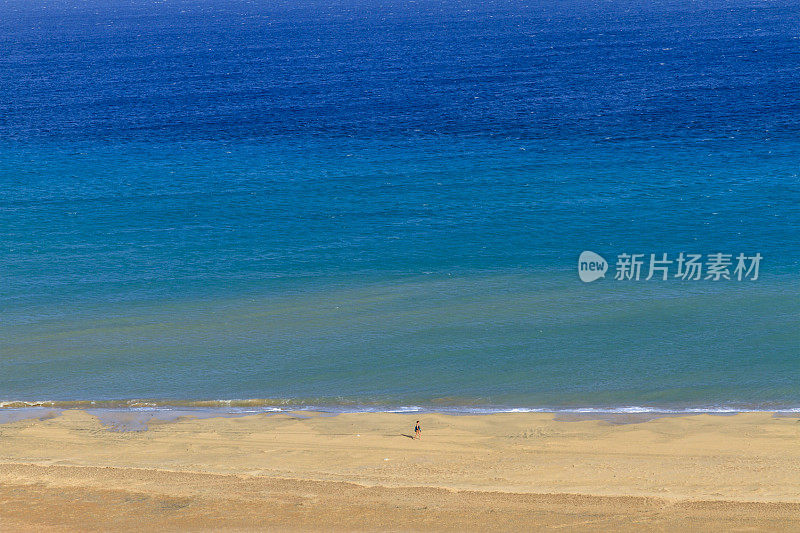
<point x="382" y="202"/>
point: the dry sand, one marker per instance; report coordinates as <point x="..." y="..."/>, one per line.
<point x="508" y="472"/>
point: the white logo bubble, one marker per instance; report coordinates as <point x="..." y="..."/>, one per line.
<point x="591" y="266"/>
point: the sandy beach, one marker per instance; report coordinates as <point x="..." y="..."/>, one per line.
<point x="499" y="472"/>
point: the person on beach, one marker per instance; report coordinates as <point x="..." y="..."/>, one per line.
<point x="417" y="431"/>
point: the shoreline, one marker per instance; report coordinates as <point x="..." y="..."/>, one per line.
<point x="257" y="405"/>
<point x="502" y="471"/>
<point x="117" y="414"/>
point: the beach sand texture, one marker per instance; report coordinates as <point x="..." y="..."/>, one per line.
<point x="362" y="472"/>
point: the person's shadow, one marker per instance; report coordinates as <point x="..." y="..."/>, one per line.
<point x="409" y="436"/>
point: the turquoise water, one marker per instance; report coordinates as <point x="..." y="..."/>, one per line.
<point x="210" y="201"/>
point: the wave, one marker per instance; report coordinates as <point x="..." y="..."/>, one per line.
<point x="339" y="405"/>
<point x="137" y="404"/>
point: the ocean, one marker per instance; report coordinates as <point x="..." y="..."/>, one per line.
<point x="380" y="205"/>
